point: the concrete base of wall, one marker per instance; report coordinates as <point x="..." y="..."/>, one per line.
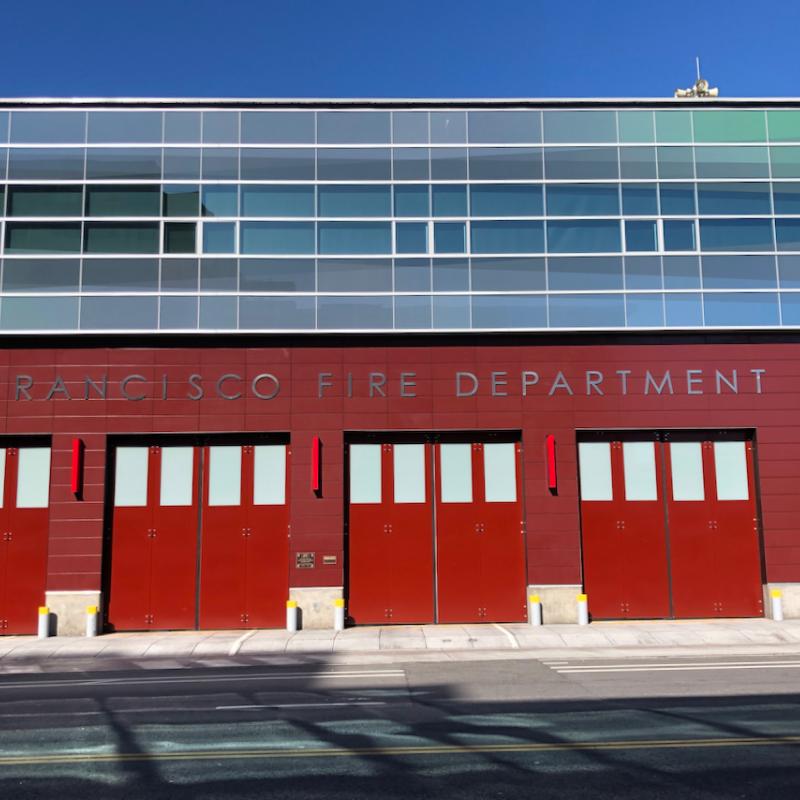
<point x="68" y="611"/>
<point x="559" y="602"/>
<point x="791" y="599"/>
<point x="315" y="604"/>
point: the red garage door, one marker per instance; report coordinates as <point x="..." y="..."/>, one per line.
<point x="669" y="527"/>
<point x="187" y="555"/>
<point x="435" y="533"/>
<point x="24" y="502"/>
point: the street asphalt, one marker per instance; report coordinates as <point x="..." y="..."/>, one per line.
<point x="488" y="725"/>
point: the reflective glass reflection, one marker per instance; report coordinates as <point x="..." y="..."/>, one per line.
<point x="277" y="275"/>
<point x="47" y="127"/>
<point x="111" y="162"/>
<point x="736" y="234"/>
<point x="277" y="201"/>
<point x="277" y="127"/>
<point x="353" y="127"/>
<point x="411" y="201"/>
<point x="354" y="275"/>
<point x="637" y="162"/>
<point x="681" y="272"/>
<point x="355" y="201"/>
<point x="737" y="309"/>
<point x="41" y="275"/>
<point x="643" y="272"/>
<point x="639" y="199"/>
<point x="448" y="164"/>
<point x="119" y="313"/>
<point x="584" y="236"/>
<point x="505" y="127"/>
<point x="411" y="164"/>
<point x="739" y="272"/>
<point x="46" y="163"/>
<point x="450" y="275"/>
<point x="508" y="274"/>
<point x="410" y="127"/>
<point x="581" y="163"/>
<point x="114" y="275"/>
<point x="412" y="312"/>
<point x="39" y="314"/>
<point x="412" y="275"/>
<point x="509" y="311"/>
<point x="354" y="164"/>
<point x="683" y="310"/>
<point x="506" y="200"/>
<point x="451" y="311"/>
<point x="343" y="238"/>
<point x="732" y="162"/>
<point x="582" y="200"/>
<point x="580" y="126"/>
<point x="587" y="310"/>
<point x="448" y="127"/>
<point x="125" y="127"/>
<point x="584" y="273"/>
<point x="277" y="164"/>
<point x="354" y="313"/>
<point x="276" y="238"/>
<point x="507" y="236"/>
<point x="734" y="198"/>
<point x="644" y="310"/>
<point x="218" y="313"/>
<point x="505" y="163"/>
<point x="276" y="313"/>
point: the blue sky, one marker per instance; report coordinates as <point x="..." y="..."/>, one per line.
<point x="410" y="48"/>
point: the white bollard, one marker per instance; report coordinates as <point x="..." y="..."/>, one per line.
<point x="534" y="609"/>
<point x="91" y="621"/>
<point x="338" y="614"/>
<point x="583" y="609"/>
<point x="291" y="615"/>
<point x="777" y="605"/>
<point x="44" y="622"/>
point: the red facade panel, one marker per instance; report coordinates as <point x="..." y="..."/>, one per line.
<point x="326" y="390"/>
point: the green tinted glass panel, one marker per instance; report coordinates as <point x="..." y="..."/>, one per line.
<point x="23" y="237"/>
<point x="181" y="201"/>
<point x="123" y="201"/>
<point x="673" y="126"/>
<point x="785" y="162"/>
<point x="731" y="162"/>
<point x="784" y="126"/>
<point x="179" y="237"/>
<point x="45" y="201"/>
<point x="636" y="126"/>
<point x="580" y="126"/>
<point x="120" y="237"/>
<point x="675" y="162"/>
<point x="730" y="126"/>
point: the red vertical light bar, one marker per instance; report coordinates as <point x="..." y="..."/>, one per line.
<point x="316" y="463"/>
<point x="552" y="475"/>
<point x="77" y="467"/>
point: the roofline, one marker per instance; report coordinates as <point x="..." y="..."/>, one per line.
<point x="390" y="103"/>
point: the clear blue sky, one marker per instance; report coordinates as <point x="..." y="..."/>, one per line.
<point x="408" y="48"/>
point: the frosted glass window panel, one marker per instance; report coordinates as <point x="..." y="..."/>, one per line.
<point x="365" y="473"/>
<point x="687" y="471"/>
<point x="177" y="476"/>
<point x="2" y="475"/>
<point x="639" y="460"/>
<point x="269" y="475"/>
<point x="500" y="472"/>
<point x="456" y="469"/>
<point x="225" y="476"/>
<point x="409" y="473"/>
<point x="33" y="477"/>
<point x="595" y="470"/>
<point x="730" y="467"/>
<point x="130" y="478"/>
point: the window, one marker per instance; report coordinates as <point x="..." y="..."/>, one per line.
<point x="456" y="473"/>
<point x="570" y="274"/>
<point x="269" y="475"/>
<point x="582" y="200"/>
<point x="276" y="313"/>
<point x="353" y="127"/>
<point x="42" y="237"/>
<point x="275" y="275"/>
<point x="637" y="162"/>
<point x="639" y="462"/>
<point x="732" y="162"/>
<point x="508" y="274"/>
<point x="123" y="201"/>
<point x="594" y="462"/>
<point x="277" y="164"/>
<point x="33" y="477"/>
<point x="730" y="469"/>
<point x="277" y="127"/>
<point x="509" y="311"/>
<point x="410" y="127"/>
<point x="584" y="236"/>
<point x="355" y="201"/>
<point x="130" y="479"/>
<point x="505" y="236"/>
<point x="177" y="475"/>
<point x="500" y="472"/>
<point x="220" y="201"/>
<point x="354" y="275"/>
<point x="113" y="275"/>
<point x="581" y="163"/>
<point x="739" y="272"/>
<point x="677" y="199"/>
<point x="354" y="164"/>
<point x="277" y="201"/>
<point x="41" y="275"/>
<point x="675" y="162"/>
<point x="278" y="238"/>
<point x="409" y="473"/>
<point x="112" y="163"/>
<point x="121" y="237"/>
<point x="45" y="201"/>
<point x="686" y="466"/>
<point x="449" y="164"/>
<point x="341" y="238"/>
<point x="180" y="237"/>
<point x="411" y="201"/>
<point x="47" y="127"/>
<point x="509" y="200"/>
<point x="449" y="201"/>
<point x="218" y="237"/>
<point x="46" y="163"/>
<point x="181" y="163"/>
<point x="786" y="197"/>
<point x="580" y="126"/>
<point x="181" y="200"/>
<point x="586" y="310"/>
<point x="411" y="237"/>
<point x="220" y="163"/>
<point x="644" y="310"/>
<point x="682" y="272"/>
<point x="736" y="234"/>
<point x="449" y="237"/>
<point x="354" y="313"/>
<point x="737" y="309"/>
<point x="365" y="473"/>
<point x="225" y="476"/>
<point x="177" y="313"/>
<point x="505" y="163"/>
<point x="107" y="127"/>
<point x="729" y="126"/>
<point x="787" y="234"/>
<point x="411" y="163"/>
<point x="734" y="198"/>
<point x="507" y="127"/>
<point x="448" y="127"/>
<point x="641" y="236"/>
<point x="636" y="126"/>
<point x="119" y="313"/>
<point x="679" y="235"/>
<point x="639" y="200"/>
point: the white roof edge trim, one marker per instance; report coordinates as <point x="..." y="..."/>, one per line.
<point x="392" y="101"/>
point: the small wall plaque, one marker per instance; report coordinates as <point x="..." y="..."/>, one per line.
<point x="329" y="561"/>
<point x="304" y="560"/>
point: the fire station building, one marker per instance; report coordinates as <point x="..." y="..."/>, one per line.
<point x="423" y="356"/>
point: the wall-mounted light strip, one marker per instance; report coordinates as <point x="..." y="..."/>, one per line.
<point x="316" y="465"/>
<point x="76" y="483"/>
<point x="552" y="475"/>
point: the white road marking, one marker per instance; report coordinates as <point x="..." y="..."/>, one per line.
<point x="237" y="645"/>
<point x="510" y="636"/>
<point x="678" y="667"/>
<point x="299" y="705"/>
<point x="127" y="681"/>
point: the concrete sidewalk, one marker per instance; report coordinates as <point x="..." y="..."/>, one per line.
<point x="601" y="639"/>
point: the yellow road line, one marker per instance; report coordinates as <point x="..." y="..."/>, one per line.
<point x="331" y="752"/>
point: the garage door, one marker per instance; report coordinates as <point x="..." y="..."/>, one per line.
<point x="24" y="503"/>
<point x="669" y="527"/>
<point x="199" y="537"/>
<point x="435" y="533"/>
